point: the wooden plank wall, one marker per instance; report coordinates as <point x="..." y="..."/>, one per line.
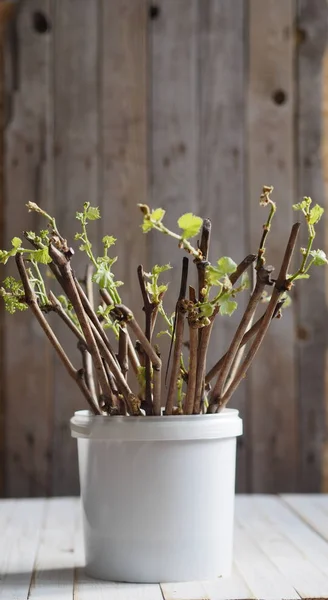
<point x="190" y="105"/>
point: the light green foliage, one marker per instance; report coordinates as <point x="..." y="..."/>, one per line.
<point x="190" y="225"/>
<point x="154" y="289"/>
<point x="304" y="205"/>
<point x="41" y="256"/>
<point x="13" y="293"/>
<point x="312" y="215"/>
<point x="315" y="214"/>
<point x="158" y="214"/>
<point x="310" y="257"/>
<point x="90" y="213"/>
<point x="151" y="218"/>
<point x="16" y="242"/>
<point x="227" y="306"/>
<point x="224" y="267"/>
<point x="218" y="276"/>
<point x="319" y="257"/>
<point x="105" y="313"/>
<point x="108" y="241"/>
<point x="103" y="276"/>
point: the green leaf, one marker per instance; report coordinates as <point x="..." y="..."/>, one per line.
<point x="103" y="277"/>
<point x="227" y="307"/>
<point x="157" y="215"/>
<point x="190" y="225"/>
<point x="108" y="241"/>
<point x="92" y="213"/>
<point x="16" y="242"/>
<point x="41" y="256"/>
<point x="320" y="257"/>
<point x="12" y="294"/>
<point x="226" y="266"/>
<point x="226" y="282"/>
<point x="206" y="309"/>
<point x="79" y="216"/>
<point x="162" y="288"/>
<point x="304" y="205"/>
<point x="146" y="226"/>
<point x="30" y="235"/>
<point x="83" y="247"/>
<point x="315" y="214"/>
<point x="6" y="254"/>
<point x="213" y="275"/>
<point x="157" y="269"/>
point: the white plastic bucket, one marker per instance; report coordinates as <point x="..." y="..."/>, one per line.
<point x="157" y="495"/>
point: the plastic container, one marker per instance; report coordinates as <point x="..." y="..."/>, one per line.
<point x="157" y="495"/>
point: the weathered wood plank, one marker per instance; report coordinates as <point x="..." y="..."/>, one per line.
<point x="273" y="425"/>
<point x="123" y="136"/>
<point x="221" y="169"/>
<point x="53" y="573"/>
<point x="91" y="589"/>
<point x="296" y="550"/>
<point x="260" y="574"/>
<point x="18" y="546"/>
<point x="234" y="586"/>
<point x="312" y="508"/>
<point x="7" y="12"/>
<point x="193" y="590"/>
<point x="27" y="378"/>
<point x="173" y="123"/>
<point x="75" y="106"/>
<point x="312" y="22"/>
<point x="324" y="153"/>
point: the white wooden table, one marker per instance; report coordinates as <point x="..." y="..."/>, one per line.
<point x="281" y="552"/>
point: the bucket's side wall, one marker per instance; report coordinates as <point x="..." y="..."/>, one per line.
<point x="156" y="511"/>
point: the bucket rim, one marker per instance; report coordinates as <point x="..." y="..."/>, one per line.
<point x="227" y="423"/>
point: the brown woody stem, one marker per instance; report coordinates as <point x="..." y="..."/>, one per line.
<point x="148" y="308"/>
<point x="201" y="264"/>
<point x="247" y="337"/>
<point x="242" y="267"/>
<point x="87" y="368"/>
<point x="203" y="343"/>
<point x="192" y="373"/>
<point x="281" y="286"/>
<point x="115" y="369"/>
<point x="135" y="363"/>
<point x="125" y="314"/>
<point x="123" y="351"/>
<point x="58" y="309"/>
<point x="178" y="331"/>
<point x="86" y="356"/>
<point x="263" y="279"/>
<point x="31" y="300"/>
<point x="65" y="269"/>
